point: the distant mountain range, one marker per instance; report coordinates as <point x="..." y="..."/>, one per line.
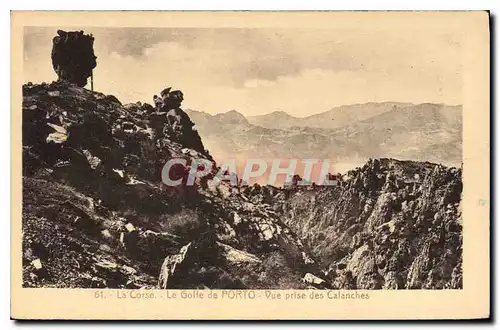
<point x="348" y="134"/>
<point x="336" y="117"/>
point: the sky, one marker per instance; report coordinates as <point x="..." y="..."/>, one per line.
<point x="258" y="71"/>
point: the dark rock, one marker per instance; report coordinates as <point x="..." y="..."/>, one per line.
<point x="73" y="56"/>
<point x="378" y="218"/>
<point x="113" y="156"/>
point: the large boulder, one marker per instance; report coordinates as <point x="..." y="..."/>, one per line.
<point x="173" y="123"/>
<point x="73" y="56"/>
<point x="170" y="266"/>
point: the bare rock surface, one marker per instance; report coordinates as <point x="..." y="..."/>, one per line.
<point x="389" y="224"/>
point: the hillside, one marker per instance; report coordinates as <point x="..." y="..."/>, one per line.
<point x="390" y="225"/>
<point x="276" y="120"/>
<point x="96" y="213"/>
<point x="430" y="132"/>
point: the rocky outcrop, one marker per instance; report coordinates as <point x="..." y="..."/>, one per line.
<point x="73" y="56"/>
<point x="171" y="264"/>
<point x="96" y="214"/>
<point x="390" y="224"/>
<point x="174" y="122"/>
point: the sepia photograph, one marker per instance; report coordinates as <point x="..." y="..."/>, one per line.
<point x="246" y="158"/>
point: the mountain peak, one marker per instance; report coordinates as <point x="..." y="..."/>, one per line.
<point x="232" y="117"/>
<point x="280" y="113"/>
<point x="234" y="113"/>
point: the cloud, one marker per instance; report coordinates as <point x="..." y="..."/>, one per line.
<point x="257" y="71"/>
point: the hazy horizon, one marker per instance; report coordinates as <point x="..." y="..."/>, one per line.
<point x="308" y="115"/>
<point x="298" y="71"/>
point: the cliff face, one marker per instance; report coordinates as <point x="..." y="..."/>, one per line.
<point x="96" y="214"/>
<point x="390" y="224"/>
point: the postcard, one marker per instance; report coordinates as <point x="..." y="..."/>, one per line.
<point x="250" y="165"/>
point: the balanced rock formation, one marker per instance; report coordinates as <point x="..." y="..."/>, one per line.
<point x="173" y="122"/>
<point x="73" y="56"/>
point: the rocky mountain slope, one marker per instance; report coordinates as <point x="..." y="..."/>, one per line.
<point x="389" y="224"/>
<point x="96" y="214"/>
<point x="430" y="132"/>
<point x="350" y="134"/>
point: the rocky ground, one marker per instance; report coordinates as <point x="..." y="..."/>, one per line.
<point x="96" y="214"/>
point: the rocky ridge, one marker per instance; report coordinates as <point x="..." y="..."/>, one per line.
<point x="350" y="134"/>
<point x="96" y="214"/>
<point x="388" y="225"/>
